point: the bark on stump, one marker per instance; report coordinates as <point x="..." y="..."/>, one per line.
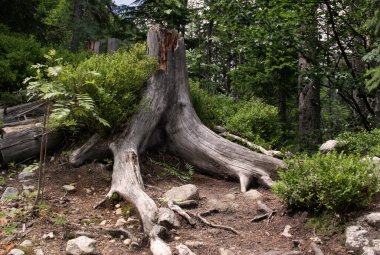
<point x="169" y="119"/>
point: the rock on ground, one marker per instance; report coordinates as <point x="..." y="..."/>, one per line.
<point x="23" y="176"/>
<point x="328" y="146"/>
<point x="167" y="218"/>
<point x="16" y="252"/>
<point x="182" y="193"/>
<point x="355" y="238"/>
<point x="373" y="219"/>
<point x="81" y="245"/>
<point x="223" y="251"/>
<point x="26" y="243"/>
<point x="253" y="195"/>
<point x="184" y="250"/>
<point x="220" y="206"/>
<point x="9" y="192"/>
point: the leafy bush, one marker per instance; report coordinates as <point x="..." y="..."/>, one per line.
<point x="363" y="142"/>
<point x="333" y="182"/>
<point x="17" y="53"/>
<point x="117" y="90"/>
<point x="252" y="119"/>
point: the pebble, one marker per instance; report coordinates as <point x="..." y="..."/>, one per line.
<point x="26" y="243"/>
<point x="16" y="252"/>
<point x="69" y="188"/>
<point x="119" y="211"/>
<point x="253" y="195"/>
<point x="48" y="236"/>
<point x="127" y="241"/>
<point x="38" y="251"/>
<point x="104" y="222"/>
<point x="120" y="222"/>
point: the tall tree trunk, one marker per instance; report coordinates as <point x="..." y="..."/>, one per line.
<point x="77" y="16"/>
<point x="169" y="120"/>
<point x="309" y="108"/>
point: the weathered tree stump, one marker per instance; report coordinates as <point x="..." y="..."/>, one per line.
<point x="169" y="119"/>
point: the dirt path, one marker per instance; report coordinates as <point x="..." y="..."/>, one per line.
<point x="65" y="212"/>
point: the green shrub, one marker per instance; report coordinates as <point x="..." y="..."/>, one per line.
<point x="333" y="182"/>
<point x="17" y="53"/>
<point x="253" y="119"/>
<point x="363" y="142"/>
<point x="117" y="90"/>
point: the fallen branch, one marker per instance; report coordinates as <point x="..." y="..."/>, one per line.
<point x="181" y="212"/>
<point x="264" y="213"/>
<point x="228" y="228"/>
<point x="251" y="145"/>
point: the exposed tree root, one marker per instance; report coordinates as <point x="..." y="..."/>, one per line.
<point x="264" y="212"/>
<point x="205" y="221"/>
<point x="181" y="212"/>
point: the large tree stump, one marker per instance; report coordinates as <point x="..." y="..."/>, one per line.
<point x="168" y="119"/>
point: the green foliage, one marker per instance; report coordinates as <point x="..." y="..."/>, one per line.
<point x="17" y="53"/>
<point x="10" y="228"/>
<point x="332" y="182"/>
<point x="117" y="90"/>
<point x="363" y="142"/>
<point x="174" y="171"/>
<point x="58" y="219"/>
<point x="251" y="119"/>
<point x="2" y="181"/>
<point x="325" y="224"/>
<point x="53" y="84"/>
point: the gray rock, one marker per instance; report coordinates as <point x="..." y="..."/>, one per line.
<point x="26" y="243"/>
<point x="253" y="195"/>
<point x="223" y="251"/>
<point x="167" y="218"/>
<point x="81" y="245"/>
<point x="375" y="244"/>
<point x="23" y="176"/>
<point x="8" y="193"/>
<point x="120" y="222"/>
<point x="220" y="206"/>
<point x="127" y="242"/>
<point x="50" y="235"/>
<point x="184" y="250"/>
<point x="28" y="187"/>
<point x="368" y="251"/>
<point x="194" y="244"/>
<point x="16" y="252"/>
<point x="355" y="238"/>
<point x="373" y="219"/>
<point x="69" y="188"/>
<point x="38" y="251"/>
<point x="328" y="146"/>
<point x="182" y="193"/>
<point x="230" y="196"/>
<point x="376" y="159"/>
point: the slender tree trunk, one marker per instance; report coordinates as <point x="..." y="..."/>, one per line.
<point x="309" y="108"/>
<point x="77" y="16"/>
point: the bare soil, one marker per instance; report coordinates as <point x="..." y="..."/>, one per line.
<point x="64" y="213"/>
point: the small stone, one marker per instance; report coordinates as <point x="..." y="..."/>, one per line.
<point x="104" y="222"/>
<point x="26" y="243"/>
<point x="81" y="245"/>
<point x="88" y="191"/>
<point x="182" y="193"/>
<point x="9" y="193"/>
<point x="368" y="251"/>
<point x="194" y="244"/>
<point x="120" y="222"/>
<point x="167" y="218"/>
<point x="16" y="252"/>
<point x="119" y="211"/>
<point x="38" y="251"/>
<point x="328" y="146"/>
<point x="112" y="241"/>
<point x="48" y="236"/>
<point x="355" y="238"/>
<point x="286" y="231"/>
<point x="220" y="206"/>
<point x="373" y="219"/>
<point x="69" y="188"/>
<point x="177" y="238"/>
<point x="316" y="240"/>
<point x="375" y="244"/>
<point x="253" y="195"/>
<point x="223" y="251"/>
<point x="230" y="196"/>
<point x="117" y="206"/>
<point x="28" y="187"/>
<point x="23" y="176"/>
<point x="184" y="250"/>
<point x="127" y="242"/>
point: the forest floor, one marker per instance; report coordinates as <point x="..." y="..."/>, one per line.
<point x="64" y="212"/>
